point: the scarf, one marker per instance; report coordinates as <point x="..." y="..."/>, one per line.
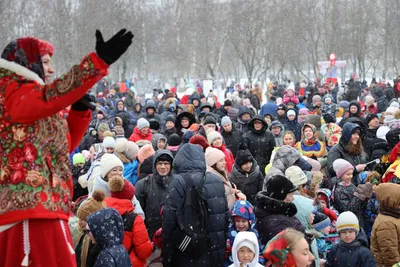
<point x="313" y="140"/>
<point x="395" y="213"/>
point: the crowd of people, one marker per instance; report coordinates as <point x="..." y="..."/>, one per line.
<point x="309" y="178"/>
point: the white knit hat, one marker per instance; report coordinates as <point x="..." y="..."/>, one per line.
<point x="290" y="112"/>
<point x="142" y="122"/>
<point x="108" y="162"/>
<point x="128" y="148"/>
<point x="213" y="155"/>
<point x="212" y="135"/>
<point x="109" y="142"/>
<point x="296" y="175"/>
<point x="225" y="120"/>
<point x="391" y="110"/>
<point x="395" y="104"/>
<point x="347" y="220"/>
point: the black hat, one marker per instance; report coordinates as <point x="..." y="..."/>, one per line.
<point x="165" y="157"/>
<point x="392" y="137"/>
<point x="243" y="155"/>
<point x="281" y="106"/>
<point x="278" y="186"/>
<point x="154" y="124"/>
<point x="170" y="118"/>
<point x="174" y="140"/>
<point x="210" y="120"/>
<point x="370" y="117"/>
<point x="328" y="118"/>
<point x="227" y="103"/>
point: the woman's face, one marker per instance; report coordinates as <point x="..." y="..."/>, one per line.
<point x="353" y="109"/>
<point x="302" y="253"/>
<point x="185" y="123"/>
<point x="217" y="142"/>
<point x="247" y="166"/>
<point x="288" y="140"/>
<point x="258" y="125"/>
<point x="220" y="165"/>
<point x="268" y="119"/>
<point x="116" y="171"/>
<point x="47" y="68"/>
<point x="308" y="133"/>
<point x="354" y="138"/>
<point x="302" y="116"/>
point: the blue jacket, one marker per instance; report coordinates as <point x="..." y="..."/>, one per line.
<point x="269" y="108"/>
<point x="107" y="228"/>
<point x="355" y="254"/>
<point x="130" y="171"/>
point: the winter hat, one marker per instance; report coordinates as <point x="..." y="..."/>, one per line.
<point x="324" y="197"/>
<point x="244" y="209"/>
<point x="276" y="124"/>
<point x="316" y="98"/>
<point x="189" y="134"/>
<point x="279" y="186"/>
<point x="227" y="103"/>
<point x="391" y="110"/>
<point x="92" y="204"/>
<point x="296" y="175"/>
<point x="281" y="107"/>
<point x="170" y="118"/>
<point x="154" y="125"/>
<point x="164" y="155"/>
<point x="210" y="120"/>
<point x="103" y="127"/>
<point x="383" y="132"/>
<point x="341" y="166"/>
<point x="108" y="133"/>
<point x="145" y="152"/>
<point x="121" y="188"/>
<point x="142" y="122"/>
<point x="108" y="162"/>
<point x="347" y="220"/>
<point x="109" y="142"/>
<point x="119" y="131"/>
<point x="199" y="140"/>
<point x="213" y="155"/>
<point x="212" y="135"/>
<point x="244" y="242"/>
<point x="225" y="120"/>
<point x="290" y="88"/>
<point x="391" y="136"/>
<point x="370" y="117"/>
<point x="344" y="104"/>
<point x="395" y="104"/>
<point x="86" y="154"/>
<point x="78" y="158"/>
<point x="174" y="140"/>
<point x="368" y="99"/>
<point x="277" y="251"/>
<point x="329" y="118"/>
<point x="321" y="221"/>
<point x="303" y="111"/>
<point x="243" y="155"/>
<point x="290" y="112"/>
<point x="127" y="148"/>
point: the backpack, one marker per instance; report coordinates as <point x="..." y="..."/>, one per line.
<point x="191" y="236"/>
<point x="129" y="220"/>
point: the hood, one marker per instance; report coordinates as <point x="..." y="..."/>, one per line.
<point x="355" y="103"/>
<point x="285" y="157"/>
<point x="242" y="110"/>
<point x="205" y="105"/>
<point x="151" y="104"/>
<point x="258" y="118"/>
<point x="347" y="131"/>
<point x="107" y="227"/>
<point x="328" y="193"/>
<point x="190" y="158"/>
<point x="158" y="154"/>
<point x="244" y="209"/>
<point x="193" y="97"/>
<point x="388" y="195"/>
<point x="304" y="209"/>
<point x="116" y="104"/>
<point x="156" y="138"/>
<point x="243" y="238"/>
<point x="186" y="114"/>
<point x="140" y="105"/>
<point x="121" y="205"/>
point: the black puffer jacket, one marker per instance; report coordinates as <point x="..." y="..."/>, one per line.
<point x="151" y="192"/>
<point x="339" y="152"/>
<point x="250" y="184"/>
<point x="190" y="163"/>
<point x="232" y="139"/>
<point x="273" y="216"/>
<point x="260" y="143"/>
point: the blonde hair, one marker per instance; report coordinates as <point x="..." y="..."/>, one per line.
<point x="291" y="134"/>
<point x="292" y="237"/>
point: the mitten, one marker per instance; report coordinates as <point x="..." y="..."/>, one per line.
<point x="157" y="238"/>
<point x="85" y="103"/>
<point x="113" y="49"/>
<point x="364" y="191"/>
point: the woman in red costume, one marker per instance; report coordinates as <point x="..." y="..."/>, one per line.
<point x="35" y="142"/>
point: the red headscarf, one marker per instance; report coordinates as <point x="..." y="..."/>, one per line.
<point x="27" y="52"/>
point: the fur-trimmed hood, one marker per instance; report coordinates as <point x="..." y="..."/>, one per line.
<point x="20" y="70"/>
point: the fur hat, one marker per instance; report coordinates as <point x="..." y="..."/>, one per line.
<point x="341" y="166"/>
<point x="142" y="123"/>
<point x="109" y="142"/>
<point x="108" y="162"/>
<point x="128" y="148"/>
<point x="145" y="152"/>
<point x="78" y="158"/>
<point x="213" y="155"/>
<point x="321" y="221"/>
<point x="199" y="140"/>
<point x="225" y="120"/>
<point x="121" y="188"/>
<point x="347" y="220"/>
<point x="92" y="204"/>
<point x="279" y="186"/>
<point x="296" y="175"/>
<point x="212" y="135"/>
<point x="174" y="140"/>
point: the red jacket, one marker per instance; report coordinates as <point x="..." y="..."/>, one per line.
<point x="229" y="159"/>
<point x="138" y="237"/>
<point x="372" y="109"/>
<point x="35" y="141"/>
<point x="138" y="135"/>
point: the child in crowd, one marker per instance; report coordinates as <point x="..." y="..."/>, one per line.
<point x="372" y="209"/>
<point x="243" y="220"/>
<point x="245" y="250"/>
<point x="78" y="169"/>
<point x="352" y="249"/>
<point x="322" y="225"/>
<point x="288" y="139"/>
<point x="323" y="202"/>
<point x="328" y="106"/>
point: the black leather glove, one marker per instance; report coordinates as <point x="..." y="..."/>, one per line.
<point x="111" y="50"/>
<point x="87" y="102"/>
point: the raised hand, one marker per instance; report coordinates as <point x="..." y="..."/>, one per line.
<point x="113" y="49"/>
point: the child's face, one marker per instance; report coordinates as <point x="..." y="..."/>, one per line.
<point x="302" y="116"/>
<point x="280" y="112"/>
<point x="288" y="140"/>
<point x="311" y="218"/>
<point x="348" y="236"/>
<point x="276" y="130"/>
<point x="374" y="186"/>
<point x="82" y="224"/>
<point x="267" y="119"/>
<point x="161" y="144"/>
<point x="347" y="176"/>
<point x="323" y="204"/>
<point x="326" y="230"/>
<point x="241" y="224"/>
<point x="245" y="255"/>
<point x="79" y="165"/>
<point x="290" y="105"/>
<point x="291" y="117"/>
<point x="170" y="125"/>
<point x="328" y="101"/>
